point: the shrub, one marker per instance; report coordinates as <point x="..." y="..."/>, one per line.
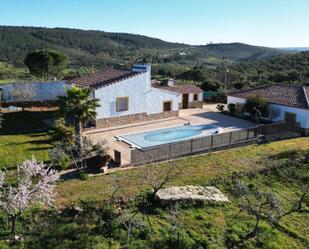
<point x="219" y="97"/>
<point x="59" y="159"/>
<point x="62" y="131"/>
<point x="82" y="175"/>
<point x="220" y="107"/>
<point x="232" y="108"/>
<point x="239" y="85"/>
<point x="210" y="85"/>
<point x="255" y="103"/>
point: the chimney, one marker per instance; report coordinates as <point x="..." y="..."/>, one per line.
<point x="170" y="82"/>
<point x="143" y="68"/>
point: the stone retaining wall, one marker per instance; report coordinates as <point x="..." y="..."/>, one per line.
<point x="133" y="118"/>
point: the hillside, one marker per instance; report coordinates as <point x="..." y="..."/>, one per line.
<point x="87" y="47"/>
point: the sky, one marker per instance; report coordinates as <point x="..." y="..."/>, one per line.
<point x="273" y="23"/>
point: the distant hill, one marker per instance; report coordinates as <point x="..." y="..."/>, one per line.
<point x="296" y="49"/>
<point x="87" y="47"/>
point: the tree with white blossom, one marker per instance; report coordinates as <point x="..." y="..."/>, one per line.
<point x="35" y="185"/>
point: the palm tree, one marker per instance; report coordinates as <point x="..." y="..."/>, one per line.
<point x="79" y="103"/>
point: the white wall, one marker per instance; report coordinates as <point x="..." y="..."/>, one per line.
<point x="155" y="100"/>
<point x="235" y="100"/>
<point x="191" y="95"/>
<point x="277" y="112"/>
<point x="142" y="97"/>
<point x="44" y="90"/>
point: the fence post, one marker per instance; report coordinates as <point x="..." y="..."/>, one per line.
<point x="191" y="145"/>
<point x="211" y="143"/>
<point x="170" y="151"/>
<point x="247" y="134"/>
<point x="230" y="138"/>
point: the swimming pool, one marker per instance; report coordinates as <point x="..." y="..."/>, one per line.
<point x="148" y="139"/>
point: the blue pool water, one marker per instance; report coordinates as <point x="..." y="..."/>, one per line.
<point x="168" y="135"/>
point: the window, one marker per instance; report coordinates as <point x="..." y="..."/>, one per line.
<point x="167" y="106"/>
<point x="122" y="104"/>
<point x="195" y="97"/>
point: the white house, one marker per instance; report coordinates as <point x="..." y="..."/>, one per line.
<point x="285" y="102"/>
<point x="127" y="96"/>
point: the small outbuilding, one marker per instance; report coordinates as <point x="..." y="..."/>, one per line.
<point x="190" y="96"/>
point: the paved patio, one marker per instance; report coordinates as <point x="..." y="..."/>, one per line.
<point x="205" y="115"/>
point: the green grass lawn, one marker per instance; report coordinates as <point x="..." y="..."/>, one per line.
<point x="23" y="135"/>
<point x="14" y="149"/>
<point x="196" y="170"/>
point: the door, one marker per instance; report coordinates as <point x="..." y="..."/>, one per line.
<point x="167" y="106"/>
<point x="185" y="101"/>
<point x="117" y="157"/>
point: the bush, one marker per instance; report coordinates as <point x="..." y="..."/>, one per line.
<point x="220" y="107"/>
<point x="211" y="85"/>
<point x="232" y="108"/>
<point x="62" y="131"/>
<point x="59" y="159"/>
<point x="255" y="103"/>
<point x="239" y="85"/>
<point x="82" y="175"/>
<point x="219" y="97"/>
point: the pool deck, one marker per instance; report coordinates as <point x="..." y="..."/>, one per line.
<point x="197" y="116"/>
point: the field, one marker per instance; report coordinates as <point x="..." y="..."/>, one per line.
<point x="196" y="170"/>
<point x="86" y="223"/>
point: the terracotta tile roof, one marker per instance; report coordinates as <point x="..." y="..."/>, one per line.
<point x="102" y="78"/>
<point x="294" y="96"/>
<point x="181" y="89"/>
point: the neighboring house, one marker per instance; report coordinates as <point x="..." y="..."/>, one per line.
<point x="190" y="96"/>
<point x="285" y="102"/>
<point x="44" y="91"/>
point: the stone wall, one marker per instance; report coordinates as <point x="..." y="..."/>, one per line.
<point x="133" y="118"/>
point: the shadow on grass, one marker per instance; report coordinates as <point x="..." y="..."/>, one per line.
<point x="288" y="154"/>
<point x="17" y="123"/>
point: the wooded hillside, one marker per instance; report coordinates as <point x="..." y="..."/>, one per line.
<point x="100" y="48"/>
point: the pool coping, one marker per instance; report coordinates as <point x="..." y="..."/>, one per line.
<point x="133" y="145"/>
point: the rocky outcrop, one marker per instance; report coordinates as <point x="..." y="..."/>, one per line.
<point x="190" y="193"/>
